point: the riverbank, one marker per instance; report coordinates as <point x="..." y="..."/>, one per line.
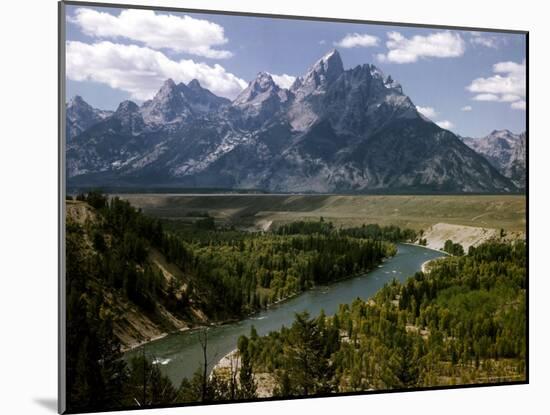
<point x="129" y="348"/>
<point x="228" y="367"/>
<point x="186" y="355"/>
<point x="425" y="247"/>
<point x="251" y="315"/>
<point x="265" y="382"/>
<point x="467" y="236"/>
<point x="426" y="265"/>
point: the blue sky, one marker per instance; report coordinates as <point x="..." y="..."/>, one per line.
<point x="469" y="82"/>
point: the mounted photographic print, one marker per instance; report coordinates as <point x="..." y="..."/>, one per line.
<point x="259" y="207"/>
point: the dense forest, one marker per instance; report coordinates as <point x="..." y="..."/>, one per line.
<point x="224" y="272"/>
<point x="463" y="322"/>
<point x="237" y="272"/>
<point x="369" y="231"/>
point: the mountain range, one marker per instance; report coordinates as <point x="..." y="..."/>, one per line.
<point x="333" y="130"/>
<point x="506" y="151"/>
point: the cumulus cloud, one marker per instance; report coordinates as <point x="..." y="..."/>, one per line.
<point x="519" y="105"/>
<point x="432" y="114"/>
<point x="157" y="31"/>
<point x="434" y="45"/>
<point x="507" y="85"/>
<point x="485" y="97"/>
<point x="284" y="80"/>
<point x="509" y="98"/>
<point x="357" y="40"/>
<point x="427" y="112"/>
<point x="140" y="71"/>
<point x="480" y="39"/>
<point x="466" y="108"/>
<point x="447" y="125"/>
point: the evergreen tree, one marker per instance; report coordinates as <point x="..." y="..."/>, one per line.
<point x="246" y="376"/>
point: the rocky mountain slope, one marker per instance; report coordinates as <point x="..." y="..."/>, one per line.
<point x="505" y="151"/>
<point x="333" y="130"/>
<point x="81" y="116"/>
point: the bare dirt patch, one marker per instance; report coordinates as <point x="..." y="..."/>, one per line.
<point x="467" y="236"/>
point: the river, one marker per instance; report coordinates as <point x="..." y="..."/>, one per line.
<point x="179" y="355"/>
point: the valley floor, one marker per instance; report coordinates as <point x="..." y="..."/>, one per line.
<point x="407" y="211"/>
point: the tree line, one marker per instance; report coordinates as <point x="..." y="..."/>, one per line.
<point x="372" y="231"/>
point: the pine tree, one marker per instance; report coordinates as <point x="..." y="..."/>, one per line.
<point x="246" y="375"/>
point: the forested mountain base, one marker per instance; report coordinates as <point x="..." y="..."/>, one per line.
<point x="125" y="271"/>
<point x="464" y="322"/>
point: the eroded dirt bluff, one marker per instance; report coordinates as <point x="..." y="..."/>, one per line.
<point x="467" y="236"/>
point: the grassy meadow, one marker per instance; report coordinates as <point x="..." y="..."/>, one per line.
<point x="406" y="211"/>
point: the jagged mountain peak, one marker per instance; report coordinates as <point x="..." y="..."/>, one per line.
<point x="258" y="90"/>
<point x="169" y="104"/>
<point x="499" y="132"/>
<point x="505" y="151"/>
<point x="322" y="73"/>
<point x="168" y="89"/>
<point x="128" y="114"/>
<point x="504" y="133"/>
<point x="176" y="102"/>
<point x="356" y="100"/>
<point x="390" y="83"/>
<point x="195" y="84"/>
<point x="331" y="63"/>
<point x="127" y="107"/>
<point x="201" y="100"/>
<point x="168" y="84"/>
<point x="81" y="116"/>
<point x="264" y="80"/>
<point x="78" y="107"/>
<point x="373" y="72"/>
<point x="77" y="100"/>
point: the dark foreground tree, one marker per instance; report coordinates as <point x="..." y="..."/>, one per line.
<point x="306" y="365"/>
<point x="246" y="376"/>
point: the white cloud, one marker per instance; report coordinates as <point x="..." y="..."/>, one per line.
<point x="486" y="97"/>
<point x="432" y="114"/>
<point x="322" y="42"/>
<point x="484" y="41"/>
<point x="435" y="45"/>
<point x="509" y="98"/>
<point x="140" y="71"/>
<point x="355" y="40"/>
<point x="480" y="39"/>
<point x="507" y="85"/>
<point x="510" y="67"/>
<point x="447" y="125"/>
<point x="284" y="80"/>
<point x="157" y="31"/>
<point x="427" y="112"/>
<point x="519" y="105"/>
<point x="466" y="108"/>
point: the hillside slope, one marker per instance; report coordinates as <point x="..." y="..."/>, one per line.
<point x="161" y="306"/>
